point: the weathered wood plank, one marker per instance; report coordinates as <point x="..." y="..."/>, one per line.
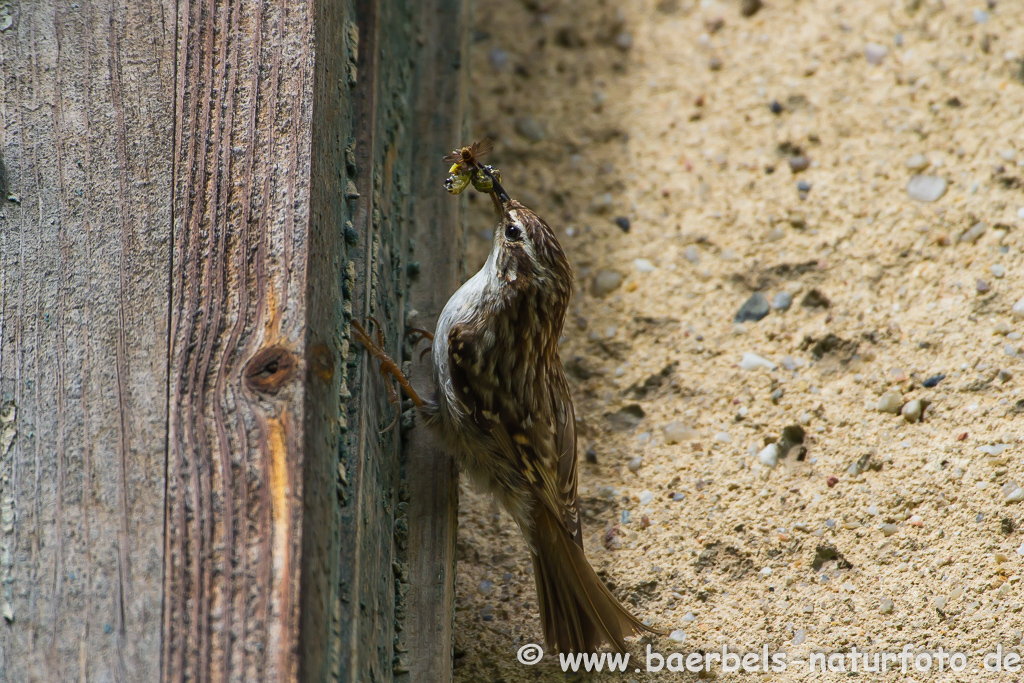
<point x="86" y="103"/>
<point x="398" y="513"/>
<point x="370" y="459"/>
<point x="328" y="291"/>
<point x="238" y="358"/>
<point x="358" y="657"/>
<point x="440" y="124"/>
<point x="208" y="258"/>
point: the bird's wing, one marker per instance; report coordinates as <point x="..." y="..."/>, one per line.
<point x="565" y="442"/>
<point x="534" y="430"/>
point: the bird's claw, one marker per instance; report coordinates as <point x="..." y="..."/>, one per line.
<point x="419" y="335"/>
<point x="388" y="367"/>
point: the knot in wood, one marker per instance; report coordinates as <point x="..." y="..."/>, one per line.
<point x="269" y="369"/>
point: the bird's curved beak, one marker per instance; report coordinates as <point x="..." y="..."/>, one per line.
<point x="499" y="196"/>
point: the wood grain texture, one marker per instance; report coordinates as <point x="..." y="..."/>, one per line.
<point x="236" y="456"/>
<point x="328" y="308"/>
<point x="371" y="456"/>
<point x="440" y="125"/>
<point x="195" y="480"/>
<point x="86" y="104"/>
<point x="358" y="656"/>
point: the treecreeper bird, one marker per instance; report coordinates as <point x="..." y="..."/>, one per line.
<point x="503" y="406"/>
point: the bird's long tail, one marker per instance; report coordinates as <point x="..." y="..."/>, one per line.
<point x="577" y="610"/>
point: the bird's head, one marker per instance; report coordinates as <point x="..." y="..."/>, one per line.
<point x="527" y="253"/>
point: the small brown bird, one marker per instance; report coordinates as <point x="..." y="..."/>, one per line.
<point x="503" y="407"/>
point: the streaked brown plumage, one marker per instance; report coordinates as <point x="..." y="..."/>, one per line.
<point x="503" y="406"/>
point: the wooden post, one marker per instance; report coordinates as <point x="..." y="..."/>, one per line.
<point x="440" y="125"/>
<point x="194" y="482"/>
<point x="398" y="512"/>
<point x="239" y="357"/>
<point x="85" y="226"/>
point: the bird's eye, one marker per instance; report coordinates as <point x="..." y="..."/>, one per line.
<point x="513" y="232"/>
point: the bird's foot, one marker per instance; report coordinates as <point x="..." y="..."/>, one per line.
<point x="423" y="334"/>
<point x="417" y="336"/>
<point x="388" y="367"/>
